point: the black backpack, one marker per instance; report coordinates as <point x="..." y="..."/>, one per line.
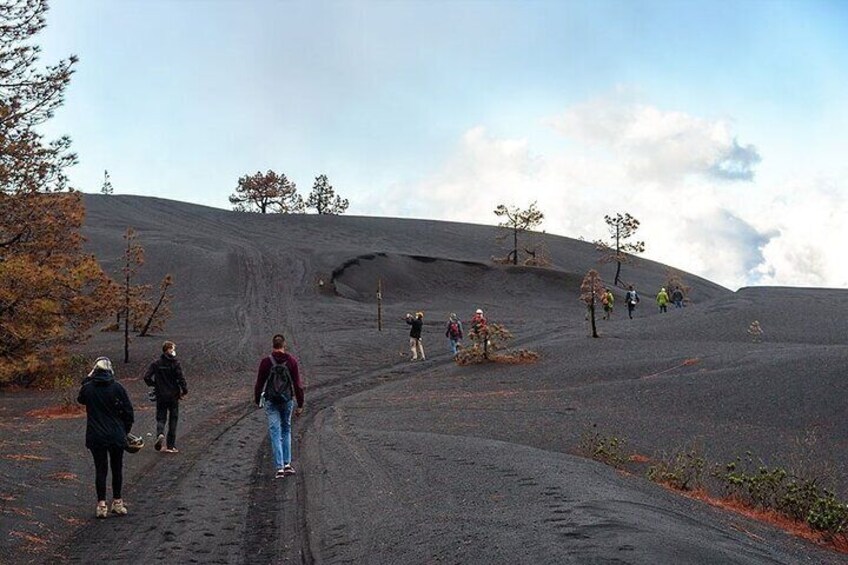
<point x="279" y="386"/>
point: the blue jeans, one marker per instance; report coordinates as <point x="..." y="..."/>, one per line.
<point x="279" y="430"/>
<point x="678" y="304"/>
<point x="453" y="344"/>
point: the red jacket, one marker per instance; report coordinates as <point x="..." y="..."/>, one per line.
<point x="265" y="370"/>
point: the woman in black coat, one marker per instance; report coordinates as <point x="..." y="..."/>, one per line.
<point x="110" y="419"/>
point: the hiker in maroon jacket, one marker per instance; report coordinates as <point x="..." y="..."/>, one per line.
<point x="279" y="410"/>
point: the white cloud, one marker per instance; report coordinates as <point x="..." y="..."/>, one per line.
<point x="668" y="169"/>
<point x="660" y="145"/>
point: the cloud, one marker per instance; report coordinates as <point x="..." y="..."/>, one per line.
<point x="656" y="145"/>
<point x="668" y="169"/>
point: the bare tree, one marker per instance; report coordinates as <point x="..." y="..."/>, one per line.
<point x="518" y="221"/>
<point x="133" y="259"/>
<point x="324" y="199"/>
<point x="268" y="192"/>
<point x="621" y="227"/>
<point x="162" y="310"/>
<point x="590" y="292"/>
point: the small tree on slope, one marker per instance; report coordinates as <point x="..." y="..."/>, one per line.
<point x="264" y="193"/>
<point x="591" y="291"/>
<point x="324" y="199"/>
<point x="621" y="227"/>
<point x="518" y="221"/>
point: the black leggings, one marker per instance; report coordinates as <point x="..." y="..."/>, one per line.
<point x="102" y="457"/>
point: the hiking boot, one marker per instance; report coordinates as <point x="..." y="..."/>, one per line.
<point x="159" y="442"/>
<point x="102" y="511"/>
<point x="118" y="508"/>
<point x="171" y="450"/>
<point x="280" y="473"/>
<point x="288" y="470"/>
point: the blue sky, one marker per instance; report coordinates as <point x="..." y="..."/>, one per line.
<point x="444" y="109"/>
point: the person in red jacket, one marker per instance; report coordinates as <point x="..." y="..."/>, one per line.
<point x="279" y="409"/>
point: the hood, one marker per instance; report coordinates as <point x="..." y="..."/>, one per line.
<point x="103" y="377"/>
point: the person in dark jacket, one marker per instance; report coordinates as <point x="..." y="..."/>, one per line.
<point x="454" y="332"/>
<point x="165" y="375"/>
<point x="109" y="414"/>
<point x="279" y="412"/>
<point x="415" y="343"/>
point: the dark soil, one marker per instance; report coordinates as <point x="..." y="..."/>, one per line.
<point x="425" y="462"/>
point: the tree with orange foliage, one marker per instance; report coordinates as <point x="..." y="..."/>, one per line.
<point x="51" y="293"/>
<point x="268" y="192"/>
<point x="591" y="291"/>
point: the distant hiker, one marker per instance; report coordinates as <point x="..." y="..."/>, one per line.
<point x="480" y="330"/>
<point x="109" y="418"/>
<point x="608" y="300"/>
<point x="278" y="385"/>
<point x="454" y="332"/>
<point x="631" y="299"/>
<point x="415" y="343"/>
<point x="677" y="297"/>
<point x="165" y="375"/>
<point x="662" y="300"/>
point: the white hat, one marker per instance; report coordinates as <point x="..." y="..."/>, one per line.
<point x="479" y="311"/>
<point x="102" y="363"/>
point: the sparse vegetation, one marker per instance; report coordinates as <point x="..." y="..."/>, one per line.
<point x="621" y="227"/>
<point x="268" y="192"/>
<point x="591" y="291"/>
<point x="607" y="449"/>
<point x="106" y="188"/>
<point x="775" y="488"/>
<point x="485" y="347"/>
<point x="324" y="199"/>
<point x="682" y="469"/>
<point x="518" y="221"/>
<point x="755" y="331"/>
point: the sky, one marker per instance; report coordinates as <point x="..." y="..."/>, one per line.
<point x="720" y="125"/>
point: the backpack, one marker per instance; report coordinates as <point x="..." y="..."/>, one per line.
<point x="453" y="330"/>
<point x="279" y="386"/>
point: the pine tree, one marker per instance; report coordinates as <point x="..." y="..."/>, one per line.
<point x="518" y="221"/>
<point x="51" y="292"/>
<point x="323" y="198"/>
<point x="107" y="184"/>
<point x="264" y="193"/>
<point x="620" y="227"/>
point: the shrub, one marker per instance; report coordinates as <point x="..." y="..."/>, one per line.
<point x="606" y="449"/>
<point x="777" y="489"/>
<point x="681" y="470"/>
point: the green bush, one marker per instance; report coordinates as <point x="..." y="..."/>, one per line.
<point x="606" y="449"/>
<point x="800" y="498"/>
<point x="682" y="470"/>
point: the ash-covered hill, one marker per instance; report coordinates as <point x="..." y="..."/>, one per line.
<point x="425" y="462"/>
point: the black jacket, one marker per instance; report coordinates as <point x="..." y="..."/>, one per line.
<point x="415" y="330"/>
<point x="166" y="376"/>
<point x="108" y="408"/>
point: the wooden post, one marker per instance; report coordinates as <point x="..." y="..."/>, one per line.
<point x="380" y="305"/>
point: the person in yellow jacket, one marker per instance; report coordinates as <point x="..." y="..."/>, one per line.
<point x="607" y="299"/>
<point x="662" y="300"/>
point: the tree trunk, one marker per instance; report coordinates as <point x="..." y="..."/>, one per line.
<point x="515" y="246"/>
<point x="617" y="252"/>
<point x="592" y="316"/>
<point x="153" y="314"/>
<point x="127" y="319"/>
<point x="379" y="305"/>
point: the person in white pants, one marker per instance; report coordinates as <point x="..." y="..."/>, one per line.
<point x="415" y="343"/>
